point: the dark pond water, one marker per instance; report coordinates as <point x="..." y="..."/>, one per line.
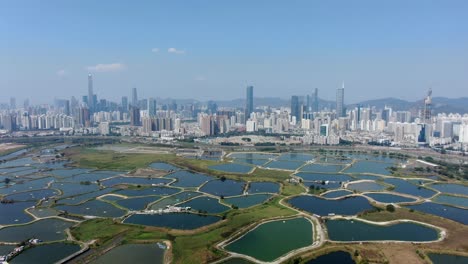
<point x="94" y="208"/>
<point x="160" y="191"/>
<point x="224" y="188"/>
<point x="203" y="203"/>
<point x="323" y="207"/>
<point x="14" y="213"/>
<point x="189" y="179"/>
<point x="46" y="254"/>
<point x="284" y="165"/>
<point x="133" y="253"/>
<point x="50" y="229"/>
<point x="451" y="200"/>
<point x="136" y="204"/>
<point x="403" y="186"/>
<point x="247" y="200"/>
<point x="338" y="257"/>
<point x="447" y="259"/>
<point x="232" y="168"/>
<point x="353" y="230"/>
<point x="176" y="221"/>
<point x="389" y="198"/>
<point x="307" y="176"/>
<point x="33" y="195"/>
<point x="261" y="187"/>
<point x="323" y="168"/>
<point x="450" y="188"/>
<point x="336" y="194"/>
<point x="135" y="181"/>
<point x="453" y="213"/>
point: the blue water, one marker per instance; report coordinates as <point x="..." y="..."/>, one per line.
<point x="14" y="213"/>
<point x="323" y="207"/>
<point x="134" y="181"/>
<point x="324" y="177"/>
<point x="403" y="186"/>
<point x="323" y="168"/>
<point x="447" y="259"/>
<point x="244" y="155"/>
<point x="32" y="195"/>
<point x="176" y="221"/>
<point x="284" y="165"/>
<point x="72" y="189"/>
<point x="46" y="254"/>
<point x="452" y="200"/>
<point x="336" y="194"/>
<point x="389" y="198"/>
<point x="366" y="186"/>
<point x="94" y="208"/>
<point x="337" y="257"/>
<point x="255" y="162"/>
<point x="224" y="188"/>
<point x="210" y="205"/>
<point x="189" y="179"/>
<point x="74" y="200"/>
<point x="245" y="201"/>
<point x="353" y="230"/>
<point x="261" y="187"/>
<point x="160" y="191"/>
<point x="453" y="213"/>
<point x="136" y="204"/>
<point x="450" y="188"/>
<point x="369" y="167"/>
<point x="296" y="157"/>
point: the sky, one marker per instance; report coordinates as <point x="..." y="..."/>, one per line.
<point x="212" y="49"/>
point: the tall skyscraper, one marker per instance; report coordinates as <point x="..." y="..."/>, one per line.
<point x="12" y="103"/>
<point x="90" y="93"/>
<point x="124" y="103"/>
<point x="135" y="116"/>
<point x="249" y="108"/>
<point x="134" y="97"/>
<point x="315" y="103"/>
<point x="295" y="108"/>
<point x="340" y="111"/>
<point x="152" y="107"/>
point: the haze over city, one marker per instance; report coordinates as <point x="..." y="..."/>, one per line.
<point x="213" y="50"/>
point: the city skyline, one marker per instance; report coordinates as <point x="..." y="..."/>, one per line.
<point x="396" y="49"/>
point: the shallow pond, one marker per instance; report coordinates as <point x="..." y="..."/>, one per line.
<point x="263" y="187"/>
<point x="224" y="187"/>
<point x="247" y="200"/>
<point x="453" y="213"/>
<point x="389" y="198"/>
<point x="84" y="197"/>
<point x="135" y="181"/>
<point x="323" y="168"/>
<point x="32" y="195"/>
<point x="160" y="191"/>
<point x="94" y="208"/>
<point x="174" y="199"/>
<point x="133" y="253"/>
<point x="450" y="188"/>
<point x="366" y="186"/>
<point x="50" y="229"/>
<point x="46" y="254"/>
<point x="451" y="200"/>
<point x="353" y="230"/>
<point x="306" y="176"/>
<point x="163" y="166"/>
<point x="189" y="179"/>
<point x="72" y="189"/>
<point x="369" y="167"/>
<point x="14" y="213"/>
<point x="296" y="157"/>
<point x="403" y="186"/>
<point x="284" y="165"/>
<point x="254" y="162"/>
<point x="323" y="207"/>
<point x="336" y="194"/>
<point x="183" y="221"/>
<point x="271" y="240"/>
<point x="447" y="258"/>
<point x="206" y="204"/>
<point x="136" y="204"/>
<point x="243" y="155"/>
<point x="340" y="257"/>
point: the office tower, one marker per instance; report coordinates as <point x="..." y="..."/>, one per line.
<point x="315" y="103"/>
<point x="66" y="108"/>
<point x="143" y="104"/>
<point x="134" y="116"/>
<point x="295" y="108"/>
<point x="134" y="97"/>
<point x="308" y="103"/>
<point x="340" y="111"/>
<point x="12" y="103"/>
<point x="152" y="107"/>
<point x="249" y="108"/>
<point x="124" y="103"/>
<point x="212" y="107"/>
<point x="26" y="104"/>
<point x="427" y="110"/>
<point x="90" y="97"/>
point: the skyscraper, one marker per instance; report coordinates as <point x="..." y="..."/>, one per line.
<point x="124" y="103"/>
<point x="134" y="97"/>
<point x="295" y="108"/>
<point x="152" y="107"/>
<point x="12" y="103"/>
<point x="315" y="103"/>
<point x="340" y="111"/>
<point x="249" y="102"/>
<point x="90" y="93"/>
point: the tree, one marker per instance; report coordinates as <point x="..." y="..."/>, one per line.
<point x="390" y="208"/>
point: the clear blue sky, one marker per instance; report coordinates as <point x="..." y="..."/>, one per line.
<point x="213" y="49"/>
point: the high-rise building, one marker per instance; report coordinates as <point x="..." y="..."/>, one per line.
<point x="249" y="108"/>
<point x="12" y="103"/>
<point x="124" y="103"/>
<point x="135" y="116"/>
<point x="134" y="97"/>
<point x="90" y="93"/>
<point x="152" y="107"/>
<point x="315" y="103"/>
<point x="340" y="110"/>
<point x="295" y="108"/>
